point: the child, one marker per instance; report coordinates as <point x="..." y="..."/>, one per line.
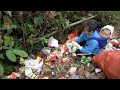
<point x="106" y="31"/>
<point x="91" y="46"/>
<point x="106" y="35"/>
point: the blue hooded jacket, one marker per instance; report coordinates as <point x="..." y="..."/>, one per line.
<point x="92" y="46"/>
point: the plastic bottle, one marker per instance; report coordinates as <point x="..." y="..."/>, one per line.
<point x="85" y="61"/>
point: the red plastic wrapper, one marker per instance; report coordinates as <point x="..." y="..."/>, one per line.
<point x="109" y="62"/>
<point x="72" y="35"/>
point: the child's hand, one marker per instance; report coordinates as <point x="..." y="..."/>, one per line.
<point x="75" y="44"/>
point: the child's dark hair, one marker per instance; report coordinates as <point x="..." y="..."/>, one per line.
<point x="92" y="24"/>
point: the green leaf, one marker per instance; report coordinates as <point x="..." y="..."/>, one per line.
<point x="1" y="70"/>
<point x="1" y="56"/>
<point x="42" y="43"/>
<point x="11" y="42"/>
<point x="45" y="40"/>
<point x="6" y="27"/>
<point x="38" y="20"/>
<point x="4" y="47"/>
<point x="11" y="56"/>
<point x="21" y="60"/>
<point x="9" y="31"/>
<point x="6" y="40"/>
<point x="14" y="26"/>
<point x="0" y="48"/>
<point x="30" y="27"/>
<point x="20" y="53"/>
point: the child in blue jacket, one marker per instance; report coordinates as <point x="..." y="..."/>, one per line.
<point x="91" y="46"/>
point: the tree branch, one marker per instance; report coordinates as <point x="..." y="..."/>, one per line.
<point x="48" y="35"/>
<point x="45" y="36"/>
<point x="75" y="23"/>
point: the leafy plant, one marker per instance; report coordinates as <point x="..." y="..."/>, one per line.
<point x="11" y="56"/>
<point x="8" y="69"/>
<point x="1" y="70"/>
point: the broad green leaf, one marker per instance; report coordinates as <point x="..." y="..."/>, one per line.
<point x="4" y="47"/>
<point x="11" y="56"/>
<point x="6" y="40"/>
<point x="1" y="70"/>
<point x="11" y="42"/>
<point x="20" y="53"/>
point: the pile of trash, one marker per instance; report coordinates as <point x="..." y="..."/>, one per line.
<point x="57" y="61"/>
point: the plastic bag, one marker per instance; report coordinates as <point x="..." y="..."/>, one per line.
<point x="109" y="62"/>
<point x="52" y="42"/>
<point x="33" y="64"/>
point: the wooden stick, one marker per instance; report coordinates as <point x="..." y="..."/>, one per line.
<point x="75" y="23"/>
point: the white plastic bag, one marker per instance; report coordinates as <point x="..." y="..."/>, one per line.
<point x="33" y="64"/>
<point x="52" y="42"/>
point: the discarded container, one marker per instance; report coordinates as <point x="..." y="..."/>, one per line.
<point x="74" y="49"/>
<point x="74" y="54"/>
<point x="39" y="59"/>
<point x="66" y="60"/>
<point x="28" y="72"/>
<point x="32" y="66"/>
<point x="97" y="70"/>
<point x="83" y="57"/>
<point x="72" y="70"/>
<point x="62" y="77"/>
<point x="52" y="42"/>
<point x="13" y="75"/>
<point x="46" y="50"/>
<point x="89" y="58"/>
<point x="48" y="63"/>
<point x="22" y="70"/>
<point x="71" y="36"/>
<point x="85" y="61"/>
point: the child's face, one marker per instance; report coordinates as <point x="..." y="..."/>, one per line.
<point x="105" y="33"/>
<point x="86" y="30"/>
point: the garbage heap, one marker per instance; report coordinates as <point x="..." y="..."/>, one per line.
<point x="57" y="61"/>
